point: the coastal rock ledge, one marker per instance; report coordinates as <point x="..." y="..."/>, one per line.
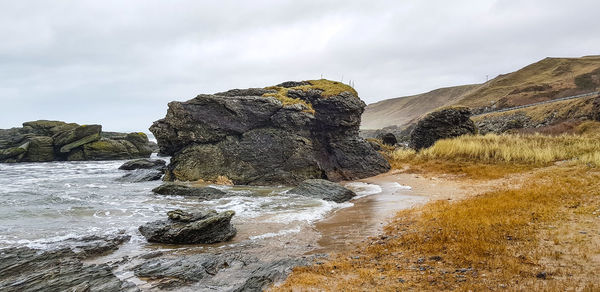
<point x="282" y="134"/>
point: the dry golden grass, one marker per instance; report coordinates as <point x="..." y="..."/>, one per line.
<point x="487" y="242"/>
<point x="493" y="156"/>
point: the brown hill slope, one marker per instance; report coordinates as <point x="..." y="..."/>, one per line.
<point x="401" y="110"/>
<point x="548" y="79"/>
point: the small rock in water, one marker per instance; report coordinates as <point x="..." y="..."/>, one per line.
<point x="188" y="228"/>
<point x="141" y="175"/>
<point x="323" y="189"/>
<point x="144" y="163"/>
<point x="206" y="193"/>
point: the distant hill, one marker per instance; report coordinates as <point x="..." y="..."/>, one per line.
<point x="548" y="79"/>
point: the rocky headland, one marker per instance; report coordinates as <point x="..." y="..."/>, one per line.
<point x="282" y="134"/>
<point x="43" y="141"/>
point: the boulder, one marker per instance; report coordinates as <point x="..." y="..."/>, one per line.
<point x="141" y="175"/>
<point x="171" y="189"/>
<point x="48" y="128"/>
<point x="190" y="228"/>
<point x="323" y="189"/>
<point x="441" y="124"/>
<point x="141" y="142"/>
<point x="277" y="135"/>
<point x="14" y="152"/>
<point x="144" y="163"/>
<point x="389" y="139"/>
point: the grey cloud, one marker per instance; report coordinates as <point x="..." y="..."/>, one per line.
<point x="118" y="63"/>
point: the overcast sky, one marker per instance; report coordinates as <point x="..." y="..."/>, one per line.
<point x="118" y="63"/>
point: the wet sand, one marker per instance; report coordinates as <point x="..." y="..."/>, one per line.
<point x="347" y="227"/>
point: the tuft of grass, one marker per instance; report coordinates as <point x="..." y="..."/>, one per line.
<point x="328" y="88"/>
<point x="491" y="241"/>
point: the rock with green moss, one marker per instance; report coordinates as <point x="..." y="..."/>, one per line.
<point x="141" y="143"/>
<point x="76" y="137"/>
<point x="282" y="134"/>
<point x="14" y="153"/>
<point x="106" y="149"/>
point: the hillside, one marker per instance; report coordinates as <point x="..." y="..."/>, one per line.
<point x="548" y="79"/>
<point x="401" y="110"/>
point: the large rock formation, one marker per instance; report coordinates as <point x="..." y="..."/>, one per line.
<point x="40" y="141"/>
<point x="278" y="135"/>
<point x="445" y="123"/>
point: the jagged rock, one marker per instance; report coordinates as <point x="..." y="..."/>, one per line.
<point x="389" y="139"/>
<point x="171" y="189"/>
<point x="445" y="123"/>
<point x="144" y="163"/>
<point x="502" y="123"/>
<point x="188" y="228"/>
<point x="13" y="152"/>
<point x="141" y="175"/>
<point x="25" y="269"/>
<point x="263" y="140"/>
<point x="323" y="189"/>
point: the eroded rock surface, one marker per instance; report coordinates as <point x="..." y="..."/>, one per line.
<point x="279" y="135"/>
<point x="206" y="193"/>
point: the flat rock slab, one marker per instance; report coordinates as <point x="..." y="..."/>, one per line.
<point x="323" y="189"/>
<point x="141" y="175"/>
<point x="144" y="163"/>
<point x="191" y="228"/>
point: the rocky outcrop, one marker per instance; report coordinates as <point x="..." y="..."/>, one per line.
<point x="41" y="141"/>
<point x="279" y="135"/>
<point x="441" y="124"/>
<point x="141" y="175"/>
<point x="206" y="193"/>
<point x="323" y="189"/>
<point x="503" y="123"/>
<point x="61" y="269"/>
<point x="596" y="109"/>
<point x="187" y="228"/>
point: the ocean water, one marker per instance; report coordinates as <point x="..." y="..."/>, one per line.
<point x="44" y="203"/>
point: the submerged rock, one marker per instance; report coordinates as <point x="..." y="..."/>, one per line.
<point x="144" y="163"/>
<point x="323" y="189"/>
<point x="207" y="193"/>
<point x="188" y="228"/>
<point x="445" y="123"/>
<point x="41" y="141"/>
<point x="279" y="135"/>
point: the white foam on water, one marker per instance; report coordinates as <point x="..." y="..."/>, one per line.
<point x="309" y="214"/>
<point x="400" y="186"/>
<point x="363" y="189"/>
<point x="275" y="234"/>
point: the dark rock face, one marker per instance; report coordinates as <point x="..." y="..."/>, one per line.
<point x="41" y="141"/>
<point x="389" y="139"/>
<point x="25" y="269"/>
<point x="445" y="123"/>
<point x="187" y="228"/>
<point x="144" y="163"/>
<point x="253" y="139"/>
<point x="323" y="189"/>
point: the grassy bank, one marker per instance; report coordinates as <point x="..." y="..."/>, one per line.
<point x="538" y="231"/>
